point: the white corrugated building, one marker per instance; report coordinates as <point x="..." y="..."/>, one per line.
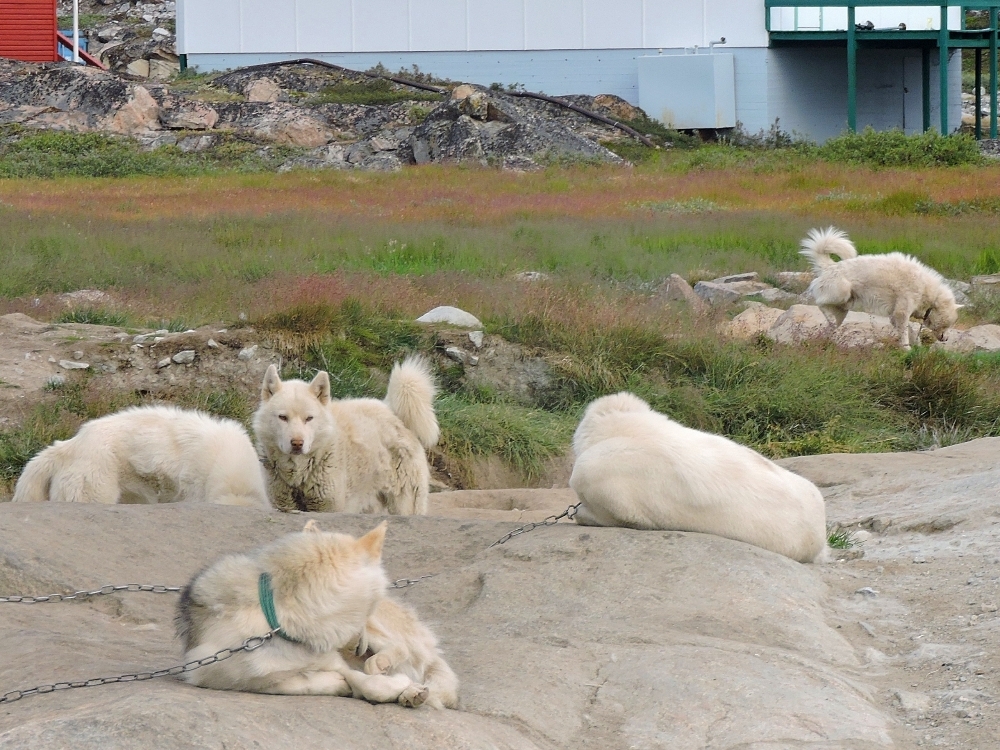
<point x="664" y="55"/>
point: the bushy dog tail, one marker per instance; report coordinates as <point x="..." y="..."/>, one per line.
<point x="33" y="486"/>
<point x="411" y="398"/>
<point x="820" y="244"/>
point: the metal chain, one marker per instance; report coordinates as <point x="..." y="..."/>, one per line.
<point x="250" y="644"/>
<point x="569" y="513"/>
<point x="151" y="588"/>
<point x="403" y="583"/>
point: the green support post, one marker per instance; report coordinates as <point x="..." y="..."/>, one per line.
<point x="925" y="92"/>
<point x="943" y="51"/>
<point x="993" y="72"/>
<point x="979" y="93"/>
<point x="852" y="73"/>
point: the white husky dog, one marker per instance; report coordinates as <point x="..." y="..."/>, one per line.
<point x="895" y="285"/>
<point x="358" y="455"/>
<point x="149" y="454"/>
<point x="326" y="593"/>
<point x="639" y="469"/>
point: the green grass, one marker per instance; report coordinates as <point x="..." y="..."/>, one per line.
<point x="52" y="154"/>
<point x="95" y="316"/>
<point x="841" y="539"/>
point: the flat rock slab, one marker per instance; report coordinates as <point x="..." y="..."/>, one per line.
<point x="566" y="637"/>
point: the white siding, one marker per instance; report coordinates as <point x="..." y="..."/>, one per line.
<point x="835" y="19"/>
<point x="332" y="26"/>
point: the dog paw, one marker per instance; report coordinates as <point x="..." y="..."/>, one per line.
<point x="378" y="664"/>
<point x="414" y="696"/>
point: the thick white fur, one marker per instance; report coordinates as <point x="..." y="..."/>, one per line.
<point x="357" y="455"/>
<point x="894" y="285"/>
<point x="394" y="641"/>
<point x="326" y="587"/>
<point x="639" y="469"/>
<point x="149" y="454"/>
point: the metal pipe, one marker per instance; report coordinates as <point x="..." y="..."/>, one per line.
<point x="76" y="31"/>
<point x="993" y="72"/>
<point x="979" y="93"/>
<point x="852" y="72"/>
<point x="943" y="56"/>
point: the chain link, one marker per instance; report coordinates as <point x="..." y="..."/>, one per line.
<point x="569" y="513"/>
<point x="250" y="644"/>
<point x="403" y="583"/>
<point x="151" y="588"/>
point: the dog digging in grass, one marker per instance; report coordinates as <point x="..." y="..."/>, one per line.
<point x="894" y="285"/>
<point x="149" y="454"/>
<point x="639" y="469"/>
<point x="357" y="455"/>
<point x="338" y="635"/>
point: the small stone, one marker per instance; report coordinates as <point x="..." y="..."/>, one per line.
<point x="473" y="360"/>
<point x="56" y="381"/>
<point x="138" y="68"/>
<point x="867" y="591"/>
<point x="161" y="332"/>
<point x="185" y="357"/>
<point x="988" y="607"/>
<point x="461" y="92"/>
<point x="52" y="359"/>
<point x="68" y="364"/>
<point x="451" y="315"/>
<point x="77" y="355"/>
<point x="165" y="362"/>
<point x="248" y="353"/>
<point x="212" y="344"/>
<point x="476" y="337"/>
<point x="862" y="536"/>
<point x="136" y="347"/>
<point x="456" y="354"/>
<point x="531" y="276"/>
<point x="158" y="339"/>
<point x="242" y="316"/>
<point x="141" y="338"/>
<point x="867" y="628"/>
<point x="262" y="90"/>
<point x="915" y="702"/>
<point x="160" y="31"/>
<point x="918" y="559"/>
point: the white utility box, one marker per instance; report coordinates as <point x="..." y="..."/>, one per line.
<point x="689" y="91"/>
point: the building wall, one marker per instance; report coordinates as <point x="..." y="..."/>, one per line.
<point x="28" y="30"/>
<point x="333" y="26"/>
<point x="807" y="90"/>
<point x="835" y="19"/>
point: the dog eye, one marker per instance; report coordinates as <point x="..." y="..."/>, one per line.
<point x="283" y="417"/>
<point x="309" y="419"/>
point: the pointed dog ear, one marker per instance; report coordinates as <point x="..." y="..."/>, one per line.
<point x="372" y="541"/>
<point x="271" y="385"/>
<point x="320" y="386"/>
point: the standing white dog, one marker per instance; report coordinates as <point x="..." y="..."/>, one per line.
<point x="148" y="454"/>
<point x="895" y="285"/>
<point x="637" y="468"/>
<point x="321" y="590"/>
<point x="356" y="455"/>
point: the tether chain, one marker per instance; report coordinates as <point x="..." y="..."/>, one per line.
<point x="151" y="588"/>
<point x="250" y="644"/>
<point x="569" y="513"/>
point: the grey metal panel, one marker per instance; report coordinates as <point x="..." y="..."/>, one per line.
<point x="266" y="26"/>
<point x="326" y="25"/>
<point x="438" y="25"/>
<point x="496" y="24"/>
<point x="689" y="91"/>
<point x="612" y="25"/>
<point x="381" y="25"/>
<point x="553" y="24"/>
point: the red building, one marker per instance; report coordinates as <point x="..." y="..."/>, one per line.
<point x="28" y="30"/>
